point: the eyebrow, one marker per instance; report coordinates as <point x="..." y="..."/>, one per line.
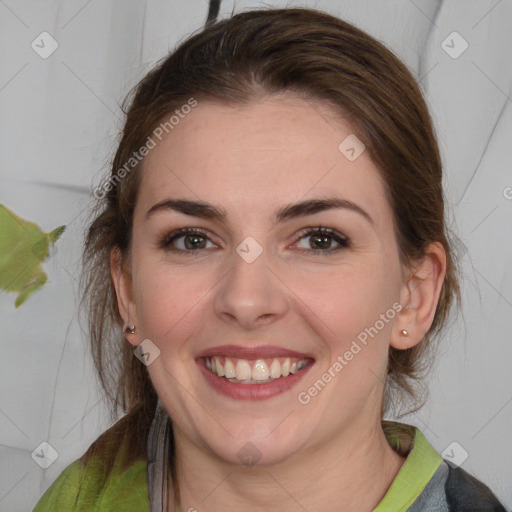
<point x="208" y="211"/>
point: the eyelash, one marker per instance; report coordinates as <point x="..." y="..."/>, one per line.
<point x="343" y="241"/>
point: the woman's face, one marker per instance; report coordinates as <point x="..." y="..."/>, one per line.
<point x="254" y="288"/>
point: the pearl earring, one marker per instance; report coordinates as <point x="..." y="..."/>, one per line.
<point x="130" y="329"/>
<point x="403" y="332"/>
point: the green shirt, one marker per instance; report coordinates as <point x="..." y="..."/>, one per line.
<point x="419" y="484"/>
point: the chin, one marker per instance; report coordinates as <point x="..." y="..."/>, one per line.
<point x="250" y="448"/>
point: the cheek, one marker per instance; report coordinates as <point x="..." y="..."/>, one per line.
<point x="350" y="302"/>
<point x="166" y="298"/>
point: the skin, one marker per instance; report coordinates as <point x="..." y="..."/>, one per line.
<point x="330" y="454"/>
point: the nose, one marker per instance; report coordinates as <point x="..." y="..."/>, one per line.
<point x="251" y="295"/>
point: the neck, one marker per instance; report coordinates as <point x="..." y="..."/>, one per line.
<point x="341" y="474"/>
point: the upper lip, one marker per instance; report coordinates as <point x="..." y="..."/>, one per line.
<point x="259" y="352"/>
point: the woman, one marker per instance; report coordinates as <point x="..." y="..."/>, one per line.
<point x="272" y="242"/>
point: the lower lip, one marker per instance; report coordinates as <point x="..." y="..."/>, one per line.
<point x="252" y="391"/>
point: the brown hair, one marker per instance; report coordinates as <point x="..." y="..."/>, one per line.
<point x="236" y="61"/>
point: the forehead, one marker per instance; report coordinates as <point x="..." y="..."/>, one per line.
<point x="259" y="156"/>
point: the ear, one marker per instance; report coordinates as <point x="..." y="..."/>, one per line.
<point x="123" y="286"/>
<point x="419" y="297"/>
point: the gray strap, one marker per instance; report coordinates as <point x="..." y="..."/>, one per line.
<point x="157" y="451"/>
<point x="433" y="496"/>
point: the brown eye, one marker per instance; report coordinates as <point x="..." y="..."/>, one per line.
<point x="185" y="240"/>
<point x="320" y="240"/>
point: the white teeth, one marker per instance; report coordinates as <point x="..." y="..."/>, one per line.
<point x="218" y="367"/>
<point x="285" y="369"/>
<point x="275" y="369"/>
<point x="243" y="370"/>
<point x="260" y="370"/>
<point x="240" y="369"/>
<point x="229" y="369"/>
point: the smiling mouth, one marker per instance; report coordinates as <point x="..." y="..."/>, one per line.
<point x="257" y="371"/>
